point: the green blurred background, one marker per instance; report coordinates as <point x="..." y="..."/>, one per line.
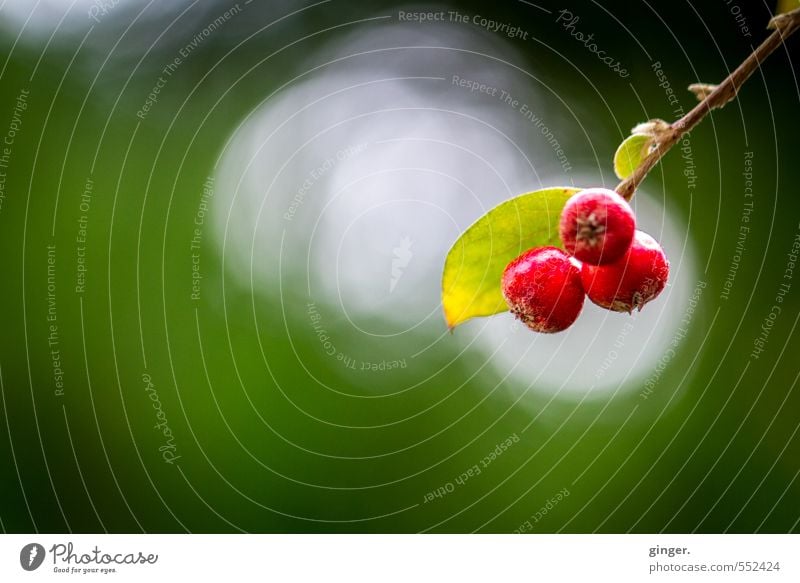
<point x="272" y="429"/>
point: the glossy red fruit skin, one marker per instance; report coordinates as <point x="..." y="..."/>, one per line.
<point x="632" y="281"/>
<point x="597" y="226"/>
<point x="543" y="289"/>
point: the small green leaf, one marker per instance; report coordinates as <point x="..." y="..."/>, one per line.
<point x="787" y="6"/>
<point x="475" y="262"/>
<point x="630" y="154"/>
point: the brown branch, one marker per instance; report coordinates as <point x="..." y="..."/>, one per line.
<point x="784" y="25"/>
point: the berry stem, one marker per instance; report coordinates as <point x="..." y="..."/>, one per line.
<point x="784" y="25"/>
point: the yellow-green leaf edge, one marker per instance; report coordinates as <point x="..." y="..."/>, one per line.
<point x="475" y="263"/>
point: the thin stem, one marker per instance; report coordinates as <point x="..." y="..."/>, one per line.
<point x="784" y="25"/>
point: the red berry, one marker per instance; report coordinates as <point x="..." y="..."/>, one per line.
<point x="543" y="289"/>
<point x="637" y="278"/>
<point x="597" y="226"/>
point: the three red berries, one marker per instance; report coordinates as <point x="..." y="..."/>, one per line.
<point x="618" y="267"/>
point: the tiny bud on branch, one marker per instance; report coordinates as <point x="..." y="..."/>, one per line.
<point x="655" y="128"/>
<point x="702" y="90"/>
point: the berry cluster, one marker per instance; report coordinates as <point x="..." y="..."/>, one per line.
<point x="617" y="266"/>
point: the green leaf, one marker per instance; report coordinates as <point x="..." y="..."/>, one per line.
<point x="630" y="154"/>
<point x="787" y="6"/>
<point x="475" y="262"/>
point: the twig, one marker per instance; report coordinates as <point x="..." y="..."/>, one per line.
<point x="784" y="25"/>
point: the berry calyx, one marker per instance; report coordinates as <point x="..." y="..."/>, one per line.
<point x="543" y="289"/>
<point x="597" y="226"/>
<point x="632" y="281"/>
